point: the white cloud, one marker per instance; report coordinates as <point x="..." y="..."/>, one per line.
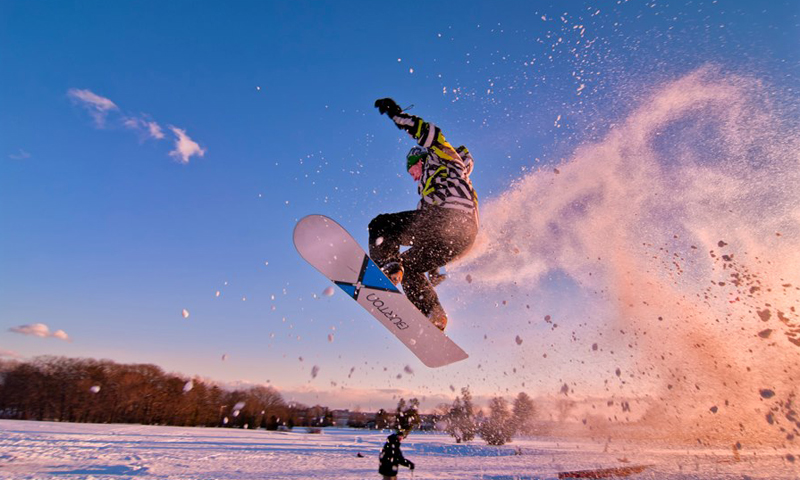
<point x="155" y="130"/>
<point x="9" y="353"/>
<point x="39" y="330"/>
<point x="185" y="147"/>
<point x="132" y="123"/>
<point x="20" y="155"/>
<point x="97" y="106"/>
<point x="143" y="124"/>
<point x="100" y="108"/>
<point x="35" y="329"/>
<point x="60" y="334"/>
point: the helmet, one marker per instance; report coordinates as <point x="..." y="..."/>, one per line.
<point x="414" y="156"/>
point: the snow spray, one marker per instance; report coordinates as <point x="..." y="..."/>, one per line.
<point x="683" y="223"/>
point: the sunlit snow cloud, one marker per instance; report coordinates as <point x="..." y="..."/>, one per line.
<point x="185" y="147"/>
<point x="680" y="225"/>
<point x="40" y="330"/>
<point x="101" y="109"/>
<point x="97" y="106"/>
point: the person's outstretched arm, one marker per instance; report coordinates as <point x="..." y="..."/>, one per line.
<point x="425" y="133"/>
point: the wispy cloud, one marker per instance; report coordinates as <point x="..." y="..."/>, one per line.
<point x="20" y="155"/>
<point x="9" y="353"/>
<point x="155" y="130"/>
<point x="143" y="124"/>
<point x="100" y="108"/>
<point x="97" y="106"/>
<point x="185" y="147"/>
<point x="40" y="330"/>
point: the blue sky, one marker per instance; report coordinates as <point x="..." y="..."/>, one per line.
<point x="108" y="236"/>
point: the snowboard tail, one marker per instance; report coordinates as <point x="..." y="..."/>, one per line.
<point x="328" y="247"/>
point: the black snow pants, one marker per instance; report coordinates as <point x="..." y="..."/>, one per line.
<point x="435" y="236"/>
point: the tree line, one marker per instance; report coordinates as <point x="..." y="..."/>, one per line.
<point x="102" y="391"/>
<point x="497" y="427"/>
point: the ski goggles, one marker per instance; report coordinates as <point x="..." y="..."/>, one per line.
<point x="412" y="160"/>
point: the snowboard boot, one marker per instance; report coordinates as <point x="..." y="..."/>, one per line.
<point x="435" y="277"/>
<point x="438" y="317"/>
<point x="394" y="271"/>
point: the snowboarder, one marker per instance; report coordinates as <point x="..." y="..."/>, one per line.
<point x="445" y="223"/>
<point x="391" y="457"/>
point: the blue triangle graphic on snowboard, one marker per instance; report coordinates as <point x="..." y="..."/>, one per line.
<point x="348" y="288"/>
<point x="375" y="278"/>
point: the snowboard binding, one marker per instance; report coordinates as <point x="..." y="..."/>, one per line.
<point x="394" y="271"/>
<point x="435" y="277"/>
<point x="438" y="317"/>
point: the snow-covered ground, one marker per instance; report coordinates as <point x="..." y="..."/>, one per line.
<point x="39" y="450"/>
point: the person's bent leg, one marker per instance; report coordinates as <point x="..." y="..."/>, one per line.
<point x="386" y="233"/>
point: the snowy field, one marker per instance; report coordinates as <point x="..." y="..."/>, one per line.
<point x="39" y="450"/>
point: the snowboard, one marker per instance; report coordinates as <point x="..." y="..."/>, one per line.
<point x="328" y="247"/>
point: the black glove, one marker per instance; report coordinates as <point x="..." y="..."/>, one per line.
<point x="388" y="106"/>
<point x="411" y="465"/>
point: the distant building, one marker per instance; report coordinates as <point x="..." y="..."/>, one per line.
<point x="341" y="418"/>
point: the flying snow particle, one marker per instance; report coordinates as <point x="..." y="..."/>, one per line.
<point x="565" y="389"/>
<point x="469" y="278"/>
<point x="258" y="88"/>
<point x="410" y="70"/>
<point x="238" y="406"/>
<point x="217" y="293"/>
<point x="408" y="370"/>
<point x="224" y="356"/>
<point x="314" y="371"/>
<point x="328" y="292"/>
<point x="225" y="420"/>
<point x="518" y="340"/>
<point x="95" y="389"/>
<point x="330" y="337"/>
<point x="266" y="264"/>
<point x="188" y="386"/>
<point x="378" y="241"/>
<point x="185" y="313"/>
<point x="767" y="393"/>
